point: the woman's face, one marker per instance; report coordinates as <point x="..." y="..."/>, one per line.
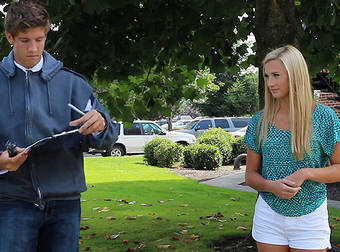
<point x="276" y="77"/>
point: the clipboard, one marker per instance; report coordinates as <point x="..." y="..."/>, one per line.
<point x="46" y="139"/>
<point x="43" y="141"/>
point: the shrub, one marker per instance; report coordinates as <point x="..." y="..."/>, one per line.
<point x="219" y="138"/>
<point x="150" y="147"/>
<point x="167" y="154"/>
<point x="238" y="147"/>
<point x="205" y="156"/>
<point x="187" y="155"/>
<point x="162" y="152"/>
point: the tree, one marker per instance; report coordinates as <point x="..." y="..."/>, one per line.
<point x="119" y="40"/>
<point x="235" y="97"/>
<point x="154" y="95"/>
<point x="312" y="26"/>
<point x="128" y="43"/>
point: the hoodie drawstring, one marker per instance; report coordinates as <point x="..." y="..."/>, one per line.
<point x="49" y="98"/>
<point x="10" y="97"/>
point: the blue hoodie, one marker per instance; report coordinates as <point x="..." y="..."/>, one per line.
<point x="33" y="106"/>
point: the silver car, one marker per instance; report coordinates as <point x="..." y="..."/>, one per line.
<point x="230" y="124"/>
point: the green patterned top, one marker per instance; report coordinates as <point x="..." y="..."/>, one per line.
<point x="278" y="161"/>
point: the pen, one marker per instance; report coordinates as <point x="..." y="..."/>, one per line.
<point x="76" y="109"/>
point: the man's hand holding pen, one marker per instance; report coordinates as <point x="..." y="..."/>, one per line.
<point x="91" y="122"/>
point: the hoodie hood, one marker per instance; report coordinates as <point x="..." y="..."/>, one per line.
<point x="50" y="67"/>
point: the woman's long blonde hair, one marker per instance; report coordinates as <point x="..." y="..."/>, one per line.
<point x="300" y="100"/>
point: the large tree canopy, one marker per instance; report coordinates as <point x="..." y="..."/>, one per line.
<point x="134" y="44"/>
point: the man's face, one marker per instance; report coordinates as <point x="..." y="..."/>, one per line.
<point x="28" y="45"/>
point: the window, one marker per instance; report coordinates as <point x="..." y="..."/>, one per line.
<point x="191" y="124"/>
<point x="133" y="130"/>
<point x="240" y="122"/>
<point x="204" y="124"/>
<point x="222" y="123"/>
<point x="151" y="129"/>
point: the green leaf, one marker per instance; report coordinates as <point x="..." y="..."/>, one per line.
<point x="333" y="20"/>
<point x="201" y="82"/>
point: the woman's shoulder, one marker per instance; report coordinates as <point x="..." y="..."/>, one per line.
<point x="325" y="119"/>
<point x="254" y="120"/>
<point x="322" y="112"/>
<point x="257" y="115"/>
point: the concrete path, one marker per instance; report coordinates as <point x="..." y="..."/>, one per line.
<point x="236" y="180"/>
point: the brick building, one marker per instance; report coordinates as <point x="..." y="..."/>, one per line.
<point x="328" y="98"/>
<point x="327" y="91"/>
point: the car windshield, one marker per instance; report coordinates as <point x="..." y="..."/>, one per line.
<point x="180" y="123"/>
<point x="190" y="124"/>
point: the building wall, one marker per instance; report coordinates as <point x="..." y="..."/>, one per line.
<point x="323" y="98"/>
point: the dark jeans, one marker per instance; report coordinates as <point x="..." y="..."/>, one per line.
<point x="26" y="228"/>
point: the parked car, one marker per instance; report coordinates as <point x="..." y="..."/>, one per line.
<point x="230" y="124"/>
<point x="133" y="139"/>
<point x="239" y="133"/>
<point x="180" y="124"/>
<point x="161" y="122"/>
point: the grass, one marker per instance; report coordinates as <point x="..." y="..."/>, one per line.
<point x="151" y="208"/>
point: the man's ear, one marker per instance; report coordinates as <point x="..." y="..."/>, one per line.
<point x="9" y="37"/>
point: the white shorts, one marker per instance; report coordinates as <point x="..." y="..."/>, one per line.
<point x="310" y="231"/>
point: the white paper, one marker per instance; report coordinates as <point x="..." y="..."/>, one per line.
<point x="3" y="171"/>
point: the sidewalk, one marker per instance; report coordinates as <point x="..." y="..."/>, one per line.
<point x="235" y="182"/>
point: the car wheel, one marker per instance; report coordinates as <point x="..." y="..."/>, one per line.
<point x="117" y="151"/>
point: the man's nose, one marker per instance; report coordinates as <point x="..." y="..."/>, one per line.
<point x="33" y="47"/>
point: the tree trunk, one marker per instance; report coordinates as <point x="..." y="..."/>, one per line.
<point x="169" y="119"/>
<point x="275" y="26"/>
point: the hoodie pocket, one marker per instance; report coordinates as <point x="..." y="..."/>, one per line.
<point x="60" y="174"/>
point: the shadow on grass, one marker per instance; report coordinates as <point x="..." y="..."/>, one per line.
<point x="245" y="244"/>
<point x="235" y="244"/>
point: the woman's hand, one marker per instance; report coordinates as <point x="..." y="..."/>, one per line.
<point x="289" y="186"/>
<point x="12" y="163"/>
<point x="283" y="188"/>
<point x="298" y="177"/>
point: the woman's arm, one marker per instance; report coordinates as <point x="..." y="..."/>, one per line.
<point x="282" y="188"/>
<point x="328" y="174"/>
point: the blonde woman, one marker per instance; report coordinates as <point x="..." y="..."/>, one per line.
<point x="293" y="150"/>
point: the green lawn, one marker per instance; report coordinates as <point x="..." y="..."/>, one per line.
<point x="129" y="204"/>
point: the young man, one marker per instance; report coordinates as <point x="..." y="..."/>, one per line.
<point x="40" y="190"/>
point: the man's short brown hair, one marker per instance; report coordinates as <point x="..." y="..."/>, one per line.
<point x="25" y="14"/>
